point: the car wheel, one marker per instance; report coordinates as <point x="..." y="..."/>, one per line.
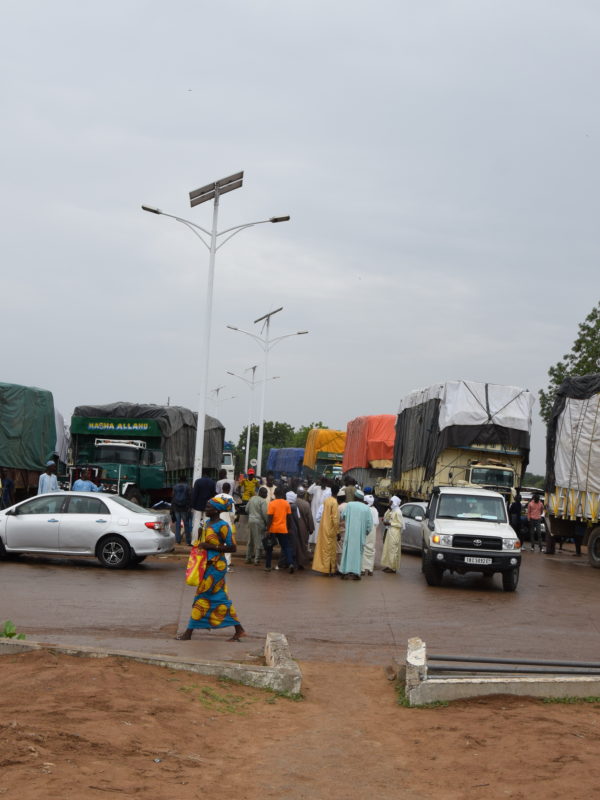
<point x="113" y="552"/>
<point x="510" y="579"/>
<point x="593" y="547"/>
<point x="433" y="574"/>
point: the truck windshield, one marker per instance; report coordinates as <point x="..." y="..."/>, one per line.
<point x="227" y="459"/>
<point x="463" y="506"/>
<point x="113" y="454"/>
<point x="485" y="476"/>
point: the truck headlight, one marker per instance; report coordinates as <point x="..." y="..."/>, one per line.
<point x="511" y="544"/>
<point x="443" y="539"/>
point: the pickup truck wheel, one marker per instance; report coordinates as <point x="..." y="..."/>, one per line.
<point x="593" y="547"/>
<point x="113" y="552"/>
<point x="510" y="579"/>
<point x="433" y="573"/>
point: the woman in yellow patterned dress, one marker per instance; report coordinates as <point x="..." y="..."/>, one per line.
<point x="212" y="607"/>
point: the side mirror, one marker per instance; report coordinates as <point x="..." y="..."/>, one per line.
<point x="419" y="519"/>
<point x="11" y="513"/>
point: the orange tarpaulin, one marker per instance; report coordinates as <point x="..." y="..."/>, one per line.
<point x="370" y="442"/>
<point x="323" y="440"/>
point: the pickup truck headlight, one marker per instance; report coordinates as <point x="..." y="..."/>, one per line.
<point x="443" y="539"/>
<point x="511" y="544"/>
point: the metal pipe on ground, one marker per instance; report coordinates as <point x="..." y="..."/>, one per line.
<point x="513" y="670"/>
<point x="534" y="662"/>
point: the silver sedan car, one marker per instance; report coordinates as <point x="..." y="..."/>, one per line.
<point x="412" y="535"/>
<point x="106" y="526"/>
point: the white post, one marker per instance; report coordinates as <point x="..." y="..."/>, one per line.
<point x="205" y="348"/>
<point x="249" y="422"/>
<point x="262" y="402"/>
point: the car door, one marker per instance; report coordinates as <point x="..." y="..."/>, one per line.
<point x="85" y="521"/>
<point x="409" y="535"/>
<point x="35" y="524"/>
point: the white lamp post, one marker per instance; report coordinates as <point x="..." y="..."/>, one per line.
<point x="209" y="192"/>
<point x="249" y="426"/>
<point x="266" y="343"/>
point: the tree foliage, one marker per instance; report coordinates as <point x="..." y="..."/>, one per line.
<point x="275" y="434"/>
<point x="583" y="359"/>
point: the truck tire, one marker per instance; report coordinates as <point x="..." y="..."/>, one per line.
<point x="510" y="579"/>
<point x="113" y="552"/>
<point x="593" y="548"/>
<point x="433" y="574"/>
<point x="133" y="495"/>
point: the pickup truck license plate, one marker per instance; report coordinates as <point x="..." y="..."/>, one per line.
<point x="475" y="560"/>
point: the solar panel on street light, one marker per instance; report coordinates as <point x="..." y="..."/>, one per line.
<point x="270" y="314"/>
<point x="202" y="198"/>
<point x="230" y="187"/>
<point x="224" y="181"/>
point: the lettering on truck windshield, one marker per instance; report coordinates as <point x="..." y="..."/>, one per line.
<point x="460" y="506"/>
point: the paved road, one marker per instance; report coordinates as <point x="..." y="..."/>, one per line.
<point x="554" y="612"/>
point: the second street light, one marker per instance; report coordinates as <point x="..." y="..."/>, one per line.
<point x="212" y="191"/>
<point x="266" y="343"/>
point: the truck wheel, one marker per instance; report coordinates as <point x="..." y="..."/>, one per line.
<point x="510" y="579"/>
<point x="433" y="573"/>
<point x="593" y="547"/>
<point x="133" y="495"/>
<point x="113" y="552"/>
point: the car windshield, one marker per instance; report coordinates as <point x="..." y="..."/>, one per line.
<point x="485" y="476"/>
<point x="128" y="504"/>
<point x="117" y="455"/>
<point x="462" y="506"/>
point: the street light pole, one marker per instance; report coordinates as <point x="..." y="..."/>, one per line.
<point x="266" y="343"/>
<point x="209" y="192"/>
<point x="249" y="427"/>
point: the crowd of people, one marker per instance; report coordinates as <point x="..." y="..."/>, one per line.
<point x="326" y="526"/>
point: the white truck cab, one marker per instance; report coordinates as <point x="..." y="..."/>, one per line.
<point x="467" y="530"/>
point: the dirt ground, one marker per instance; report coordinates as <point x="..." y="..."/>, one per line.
<point x="85" y="728"/>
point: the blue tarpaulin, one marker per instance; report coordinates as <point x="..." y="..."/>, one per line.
<point x="285" y="461"/>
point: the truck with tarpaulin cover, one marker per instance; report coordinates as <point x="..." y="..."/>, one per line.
<point x="369" y="449"/>
<point x="285" y="461"/>
<point x="460" y="433"/>
<point x="573" y="464"/>
<point x="323" y="453"/>
<point x="140" y="451"/>
<point x="31" y="433"/>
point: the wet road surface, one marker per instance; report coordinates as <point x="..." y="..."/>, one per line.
<point x="553" y="613"/>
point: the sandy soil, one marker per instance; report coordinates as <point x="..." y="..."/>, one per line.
<point x="85" y="728"/>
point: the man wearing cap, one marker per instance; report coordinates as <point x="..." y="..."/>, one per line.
<point x="48" y="481"/>
<point x="248" y="486"/>
<point x="358" y="524"/>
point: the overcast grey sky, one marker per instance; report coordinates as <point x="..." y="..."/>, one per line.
<point x="439" y="161"/>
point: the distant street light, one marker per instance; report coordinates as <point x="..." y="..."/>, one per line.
<point x="266" y="343"/>
<point x="211" y="191"/>
<point x="250" y="383"/>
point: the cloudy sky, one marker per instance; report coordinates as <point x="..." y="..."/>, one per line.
<point x="439" y="161"/>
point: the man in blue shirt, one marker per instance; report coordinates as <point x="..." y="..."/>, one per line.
<point x="48" y="481"/>
<point x="84" y="484"/>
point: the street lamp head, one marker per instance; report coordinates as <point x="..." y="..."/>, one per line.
<point x="152" y="210"/>
<point x="279" y="219"/>
<point x="301" y="333"/>
<point x="230" y="373"/>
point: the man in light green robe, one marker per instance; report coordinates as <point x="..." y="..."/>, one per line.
<point x="359" y="522"/>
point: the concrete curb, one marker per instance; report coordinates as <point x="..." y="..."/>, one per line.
<point x="282" y="673"/>
<point x="420" y="689"/>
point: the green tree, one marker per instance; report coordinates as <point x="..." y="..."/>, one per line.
<point x="302" y="432"/>
<point x="583" y="359"/>
<point x="275" y="434"/>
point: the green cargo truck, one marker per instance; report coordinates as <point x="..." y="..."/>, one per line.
<point x="140" y="451"/>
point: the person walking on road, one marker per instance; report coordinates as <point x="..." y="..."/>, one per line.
<point x="256" y="508"/>
<point x="212" y="608"/>
<point x="390" y="558"/>
<point x="359" y="523"/>
<point x="315" y="494"/>
<point x="204" y="488"/>
<point x="325" y="558"/>
<point x="306" y="523"/>
<point x="248" y="486"/>
<point x="48" y="481"/>
<point x="368" y="561"/>
<point x="514" y="514"/>
<point x="181" y="506"/>
<point x="301" y="554"/>
<point x="279" y="515"/>
<point x="535" y="512"/>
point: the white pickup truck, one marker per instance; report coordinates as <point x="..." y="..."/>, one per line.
<point x="467" y="530"/>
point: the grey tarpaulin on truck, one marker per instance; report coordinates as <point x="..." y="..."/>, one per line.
<point x="460" y="414"/>
<point x="27" y="427"/>
<point x="178" y="428"/>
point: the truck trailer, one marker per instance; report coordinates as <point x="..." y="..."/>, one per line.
<point x="573" y="464"/>
<point x="140" y="451"/>
<point x="323" y="453"/>
<point x="460" y="433"/>
<point x="285" y="461"/>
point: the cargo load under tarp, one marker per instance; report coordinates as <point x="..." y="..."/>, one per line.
<point x="370" y="442"/>
<point x="27" y="427"/>
<point x="460" y="414"/>
<point x="573" y="448"/>
<point x="323" y="440"/>
<point x="177" y="427"/>
<point x="285" y="461"/>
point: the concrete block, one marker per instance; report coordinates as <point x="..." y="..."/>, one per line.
<point x="445" y="689"/>
<point x="416" y="664"/>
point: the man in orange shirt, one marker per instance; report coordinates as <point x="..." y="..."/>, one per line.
<point x="279" y="515"/>
<point x="535" y="512"/>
